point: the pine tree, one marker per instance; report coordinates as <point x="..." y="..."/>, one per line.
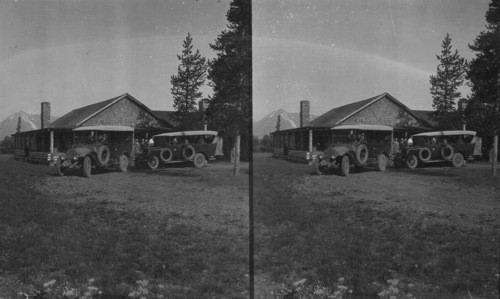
<point x="444" y="85"/>
<point x="230" y="109"/>
<point x="278" y="123"/>
<point x="483" y="106"/>
<point x="191" y="75"/>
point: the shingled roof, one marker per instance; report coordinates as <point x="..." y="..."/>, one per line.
<point x="77" y="116"/>
<point x="74" y="117"/>
<point x="428" y="115"/>
<point x="168" y="116"/>
<point x="337" y="115"/>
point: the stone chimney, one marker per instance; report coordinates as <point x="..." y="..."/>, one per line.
<point x="203" y="105"/>
<point x="460" y="106"/>
<point x="45" y="115"/>
<point x="304" y="113"/>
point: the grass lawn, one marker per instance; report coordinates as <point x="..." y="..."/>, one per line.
<point x="351" y="247"/>
<point x="52" y="248"/>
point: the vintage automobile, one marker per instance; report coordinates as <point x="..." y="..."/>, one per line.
<point x="185" y="146"/>
<point x="97" y="147"/>
<point x="430" y="147"/>
<point x="354" y="145"/>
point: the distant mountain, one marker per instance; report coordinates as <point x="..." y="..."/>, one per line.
<point x="28" y="122"/>
<point x="289" y="120"/>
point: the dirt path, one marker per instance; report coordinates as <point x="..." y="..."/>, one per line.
<point x="469" y="191"/>
<point x="193" y="221"/>
<point x="468" y="196"/>
<point x="209" y="197"/>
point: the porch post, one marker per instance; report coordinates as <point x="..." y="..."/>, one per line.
<point x="51" y="142"/>
<point x="310" y="140"/>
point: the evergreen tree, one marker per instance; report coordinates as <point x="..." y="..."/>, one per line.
<point x="230" y="109"/>
<point x="483" y="107"/>
<point x="191" y="75"/>
<point x="278" y="123"/>
<point x="444" y="85"/>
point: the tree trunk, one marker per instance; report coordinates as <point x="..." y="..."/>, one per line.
<point x="495" y="156"/>
<point x="237" y="155"/>
<point x="495" y="138"/>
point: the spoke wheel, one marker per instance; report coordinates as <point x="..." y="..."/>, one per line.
<point x="458" y="160"/>
<point x="123" y="163"/>
<point x="87" y="166"/>
<point x="59" y="169"/>
<point x="382" y="162"/>
<point x="412" y="161"/>
<point x="317" y="167"/>
<point x="199" y="160"/>
<point x="153" y="162"/>
<point x="345" y="165"/>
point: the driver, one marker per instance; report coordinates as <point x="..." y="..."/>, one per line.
<point x="361" y="137"/>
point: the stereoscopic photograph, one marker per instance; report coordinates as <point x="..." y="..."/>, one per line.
<point x="249" y="149"/>
<point x="125" y="149"/>
<point x="374" y="122"/>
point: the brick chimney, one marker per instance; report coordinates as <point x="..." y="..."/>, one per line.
<point x="45" y="115"/>
<point x="304" y="113"/>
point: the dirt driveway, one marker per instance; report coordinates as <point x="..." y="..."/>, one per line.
<point x="298" y="212"/>
<point x="465" y="192"/>
<point x="179" y="230"/>
<point x="209" y="197"/>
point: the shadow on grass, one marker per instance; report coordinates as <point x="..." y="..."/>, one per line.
<point x="42" y="239"/>
<point x="428" y="170"/>
<point x="366" y="245"/>
<point x="79" y="173"/>
<point x="171" y="172"/>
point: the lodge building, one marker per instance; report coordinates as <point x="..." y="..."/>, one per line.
<point x="58" y="137"/>
<point x="383" y="109"/>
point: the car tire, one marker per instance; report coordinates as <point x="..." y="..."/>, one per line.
<point x="87" y="166"/>
<point x="188" y="152"/>
<point x="318" y="168"/>
<point x="345" y="165"/>
<point x="103" y="154"/>
<point x="169" y="156"/>
<point x="412" y="161"/>
<point x="59" y="169"/>
<point x="458" y="160"/>
<point x="362" y="154"/>
<point x="424" y="154"/>
<point x="381" y="162"/>
<point x="447" y="152"/>
<point x="153" y="162"/>
<point x="123" y="163"/>
<point x="199" y="160"/>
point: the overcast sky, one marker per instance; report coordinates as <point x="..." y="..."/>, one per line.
<point x="77" y="52"/>
<point x="333" y="52"/>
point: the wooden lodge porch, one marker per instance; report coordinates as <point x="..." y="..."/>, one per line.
<point x="296" y="144"/>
